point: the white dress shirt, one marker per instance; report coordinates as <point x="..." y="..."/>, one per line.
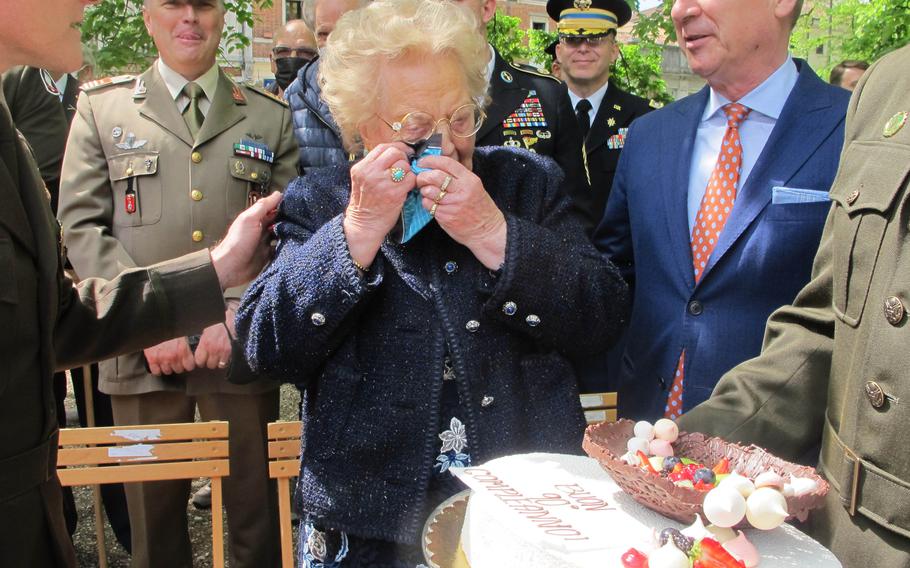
<point x="595" y="99"/>
<point x="175" y="82"/>
<point x="766" y="101"/>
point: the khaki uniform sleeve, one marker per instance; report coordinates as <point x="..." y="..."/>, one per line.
<point x="86" y="202"/>
<point x="101" y="318"/>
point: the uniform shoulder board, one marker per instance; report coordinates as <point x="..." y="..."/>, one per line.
<point x="106" y="82"/>
<point x="538" y="71"/>
<point x="654" y="104"/>
<point x="257" y="89"/>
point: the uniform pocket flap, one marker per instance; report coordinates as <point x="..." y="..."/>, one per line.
<point x="251" y="169"/>
<point x="863" y="183"/>
<point x="134" y="164"/>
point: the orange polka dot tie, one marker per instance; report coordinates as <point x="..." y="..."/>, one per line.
<point x="716" y="205"/>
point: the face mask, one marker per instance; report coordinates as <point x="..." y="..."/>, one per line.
<point x="287" y="68"/>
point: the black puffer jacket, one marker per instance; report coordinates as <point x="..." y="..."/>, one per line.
<point x="316" y="132"/>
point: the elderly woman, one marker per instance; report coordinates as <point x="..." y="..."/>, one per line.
<point x="446" y="350"/>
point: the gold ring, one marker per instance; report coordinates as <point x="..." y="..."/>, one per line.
<point x="433" y="210"/>
<point x="439" y="196"/>
<point x="222" y="364"/>
<point x="445" y="184"/>
<point x="397" y="174"/>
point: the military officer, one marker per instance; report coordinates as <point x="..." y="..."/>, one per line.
<point x="158" y="165"/>
<point x="529" y="109"/>
<point x="833" y="368"/>
<point x="48" y="322"/>
<point x="586" y="50"/>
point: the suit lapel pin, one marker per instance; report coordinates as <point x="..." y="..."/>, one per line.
<point x="116" y="133"/>
<point x="611" y="122"/>
<point x="617" y="107"/>
<point x="894" y="124"/>
<point x="131" y="143"/>
<point x="506" y="76"/>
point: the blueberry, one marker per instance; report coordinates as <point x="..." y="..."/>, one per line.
<point x="704" y="475"/>
<point x="680" y="540"/>
<point x="670" y="462"/>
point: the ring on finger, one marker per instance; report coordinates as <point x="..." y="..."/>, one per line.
<point x="439" y="196"/>
<point x="222" y="364"/>
<point x="433" y="209"/>
<point x="445" y="184"/>
<point x="397" y="174"/>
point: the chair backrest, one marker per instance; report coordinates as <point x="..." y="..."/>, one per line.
<point x="599" y="407"/>
<point x="153" y="452"/>
<point x="284" y="463"/>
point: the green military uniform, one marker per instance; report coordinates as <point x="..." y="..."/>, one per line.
<point x="138" y="188"/>
<point x="834" y="367"/>
<point x="34" y="103"/>
<point x="49" y="323"/>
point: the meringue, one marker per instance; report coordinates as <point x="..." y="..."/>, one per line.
<point x="722" y="534"/>
<point x="643" y="429"/>
<point x="668" y="556"/>
<point x="743" y="485"/>
<point x="766" y="508"/>
<point x="635" y="445"/>
<point x="697" y="530"/>
<point x="769" y="479"/>
<point x="803" y="485"/>
<point x="741" y="549"/>
<point x="666" y="429"/>
<point x="724" y="507"/>
<point x="660" y="448"/>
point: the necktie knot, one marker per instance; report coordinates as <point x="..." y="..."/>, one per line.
<point x="584" y="105"/>
<point x="192" y="114"/>
<point x="736" y="114"/>
<point x="193" y="91"/>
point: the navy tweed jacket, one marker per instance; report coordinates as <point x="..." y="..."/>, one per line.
<point x="368" y="352"/>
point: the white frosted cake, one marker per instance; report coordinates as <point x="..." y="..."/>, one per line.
<point x="553" y="510"/>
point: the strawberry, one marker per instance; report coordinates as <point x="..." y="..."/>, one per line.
<point x="645" y="462"/>
<point x="723" y="466"/>
<point x="634" y="559"/>
<point x="702" y="486"/>
<point x="708" y="553"/>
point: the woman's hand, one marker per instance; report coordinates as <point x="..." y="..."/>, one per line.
<point x="376" y="199"/>
<point x="463" y="208"/>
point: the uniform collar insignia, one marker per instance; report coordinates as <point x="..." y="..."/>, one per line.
<point x="611" y="122"/>
<point x="506" y="76"/>
<point x="894" y="124"/>
<point x="237" y="95"/>
<point x="140" y="90"/>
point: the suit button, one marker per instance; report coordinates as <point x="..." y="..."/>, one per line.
<point x="510" y="308"/>
<point x="450" y="267"/>
<point x="696" y="308"/>
<point x="894" y="310"/>
<point x="533" y="320"/>
<point x="198" y="236"/>
<point x="196" y="157"/>
<point x="196" y="195"/>
<point x="875" y="394"/>
<point x="472" y="326"/>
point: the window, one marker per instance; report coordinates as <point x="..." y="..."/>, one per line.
<point x="539" y="22"/>
<point x="293" y="10"/>
<point x="820" y="50"/>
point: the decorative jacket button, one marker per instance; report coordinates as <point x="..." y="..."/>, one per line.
<point x="894" y="310"/>
<point x="451" y="266"/>
<point x="196" y="195"/>
<point x="510" y="308"/>
<point x="875" y="394"/>
<point x="317" y="319"/>
<point x="196" y="157"/>
<point x="696" y="308"/>
<point x="472" y="326"/>
<point x="486" y="401"/>
<point x="198" y="236"/>
<point x="532" y="320"/>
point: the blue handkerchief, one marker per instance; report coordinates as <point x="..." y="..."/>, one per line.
<point x="413" y="216"/>
<point x="784" y="195"/>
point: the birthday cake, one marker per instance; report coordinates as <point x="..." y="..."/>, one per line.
<point x="553" y="510"/>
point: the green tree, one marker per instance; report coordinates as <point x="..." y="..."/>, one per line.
<point x="638" y="71"/>
<point x="115" y="37"/>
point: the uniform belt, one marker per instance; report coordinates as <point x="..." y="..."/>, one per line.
<point x="25" y="471"/>
<point x="865" y="488"/>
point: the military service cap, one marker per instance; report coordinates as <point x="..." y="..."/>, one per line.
<point x="578" y="18"/>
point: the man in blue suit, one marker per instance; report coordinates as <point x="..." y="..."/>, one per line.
<point x="755" y="239"/>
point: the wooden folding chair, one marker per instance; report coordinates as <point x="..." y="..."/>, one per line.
<point x="284" y="463"/>
<point x="154" y="452"/>
<point x="599" y="407"/>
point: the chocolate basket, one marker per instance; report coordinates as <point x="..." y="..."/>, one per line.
<point x="606" y="442"/>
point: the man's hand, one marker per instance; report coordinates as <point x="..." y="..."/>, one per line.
<point x="172" y="356"/>
<point x="245" y="249"/>
<point x="214" y="349"/>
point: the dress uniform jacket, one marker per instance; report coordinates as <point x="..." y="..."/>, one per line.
<point x="844" y="340"/>
<point x="604" y="143"/>
<point x="45" y="323"/>
<point x="532" y="111"/>
<point x="129" y="135"/>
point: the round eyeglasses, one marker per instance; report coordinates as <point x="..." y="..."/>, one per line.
<point x="418" y="126"/>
